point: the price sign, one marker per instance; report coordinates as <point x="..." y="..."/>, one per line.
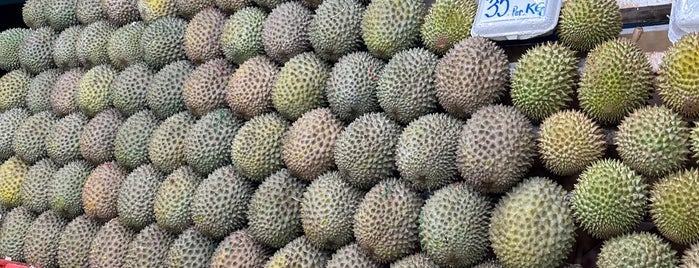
<point x="516" y="19"/>
<point x="512" y="9"/>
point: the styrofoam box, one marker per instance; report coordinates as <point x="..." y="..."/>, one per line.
<point x="515" y="19"/>
<point x="684" y="19"/>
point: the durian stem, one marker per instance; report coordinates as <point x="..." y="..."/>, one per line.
<point x="637" y="32"/>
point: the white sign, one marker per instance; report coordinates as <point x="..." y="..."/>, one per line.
<point x="515" y="19"/>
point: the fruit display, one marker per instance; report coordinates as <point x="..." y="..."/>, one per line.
<point x="341" y="134"/>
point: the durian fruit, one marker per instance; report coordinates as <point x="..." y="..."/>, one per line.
<point x="120" y="12"/>
<point x="274" y="210"/>
<point x="426" y="151"/>
<point x="164" y="96"/>
<point x="94" y="89"/>
<point x="132" y="139"/>
<point x="351" y="87"/>
<point x="672" y="206"/>
<point x="678" y="82"/>
<point x="269" y="4"/>
<point x="534" y="213"/>
<point x="654" y="141"/>
<point x="63" y="97"/>
<point x="249" y="89"/>
<point x="163" y="41"/>
<point x="37" y="98"/>
<point x="75" y="241"/>
<point x="351" y="256"/>
<point x="616" y="80"/>
<point x="110" y="245"/>
<point x="327" y="211"/>
<point x="239" y="249"/>
<point x="64" y="49"/>
<point x="35" y="187"/>
<point x="232" y="6"/>
<point x="166" y="147"/>
<point x="447" y="23"/>
<point x="10" y="121"/>
<point x="149" y="247"/>
<point x="309" y="144"/>
<point x="36" y="50"/>
<point x="124" y="45"/>
<point x="13" y="89"/>
<point x="609" y="198"/>
<point x="60" y="14"/>
<point x="172" y="203"/>
<point x="203" y="34"/>
<point x="128" y="90"/>
<point x="41" y="242"/>
<point x="151" y="10"/>
<point x="89" y="11"/>
<point x="241" y="36"/>
<point x="33" y="14"/>
<point x="583" y="24"/>
<point x="65" y="196"/>
<point x="336" y="28"/>
<point x="300" y="85"/>
<point x="101" y="191"/>
<point x="220" y="203"/>
<point x="205" y="87"/>
<point x="285" y="31"/>
<point x="637" y="250"/>
<point x="569" y="141"/>
<point x="13" y="232"/>
<point x="366" y="148"/>
<point x="489" y="264"/>
<point x="256" y="150"/>
<point x="207" y="144"/>
<point x="386" y="221"/>
<point x="690" y="257"/>
<point x="29" y="140"/>
<point x="496" y="148"/>
<point x="406" y="88"/>
<point x="97" y="138"/>
<point x="389" y="27"/>
<point x="63" y="141"/>
<point x="299" y="253"/>
<point x="471" y="74"/>
<point x="136" y="196"/>
<point x="187" y="9"/>
<point x="10" y="42"/>
<point x="91" y="47"/>
<point x="455" y="240"/>
<point x="417" y="260"/>
<point x="543" y="80"/>
<point x="191" y="249"/>
<point x="12" y="174"/>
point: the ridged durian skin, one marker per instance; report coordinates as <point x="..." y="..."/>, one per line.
<point x="149" y="247"/>
<point x="91" y="48"/>
<point x="256" y="150"/>
<point x="309" y="144"/>
<point x="406" y="88"/>
<point x="241" y="36"/>
<point x="447" y="23"/>
<point x="163" y="41"/>
<point x="29" y="141"/>
<point x="10" y="121"/>
<point x="569" y="141"/>
<point x="120" y="12"/>
<point x="455" y="240"/>
<point x="583" y="24"/>
<point x="496" y="148"/>
<point x="678" y="82"/>
<point x="10" y="42"/>
<point x="327" y="211"/>
<point x="232" y="6"/>
<point x="37" y="98"/>
<point x="94" y="89"/>
<point x="33" y="14"/>
<point x="274" y="210"/>
<point x="101" y="191"/>
<point x="672" y="205"/>
<point x="63" y="97"/>
<point x="128" y="90"/>
<point x="352" y="256"/>
<point x="298" y="253"/>
<point x="110" y="245"/>
<point x="166" y="147"/>
<point x="89" y="11"/>
<point x="74" y="242"/>
<point x="205" y="88"/>
<point x="124" y="45"/>
<point x="690" y="257"/>
<point x="63" y="141"/>
<point x="637" y="250"/>
<point x="35" y="187"/>
<point x="13" y="89"/>
<point x="41" y="242"/>
<point x="13" y="232"/>
<point x="172" y="203"/>
<point x="12" y="174"/>
<point x="300" y="85"/>
<point x="543" y="80"/>
<point x="351" y="87"/>
<point x="386" y="221"/>
<point x="220" y="203"/>
<point x="426" y="151"/>
<point x="471" y="74"/>
<point x="35" y="53"/>
<point x="151" y="10"/>
<point x="164" y="95"/>
<point x="203" y="34"/>
<point x="654" y="141"/>
<point x="417" y="260"/>
<point x="61" y="14"/>
<point x="239" y="249"/>
<point x="64" y="49"/>
<point x="609" y="198"/>
<point x="336" y="28"/>
<point x="249" y="89"/>
<point x="392" y="26"/>
<point x="534" y="212"/>
<point x="187" y="9"/>
<point x="65" y="197"/>
<point x="285" y="31"/>
<point x="208" y="142"/>
<point x="616" y="80"/>
<point x="97" y="138"/>
<point x="136" y="196"/>
<point x="365" y="150"/>
<point x="132" y="139"/>
<point x="190" y="249"/>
